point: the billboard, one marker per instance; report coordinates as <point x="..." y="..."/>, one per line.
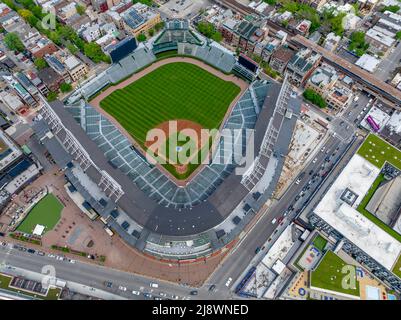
<point x="122" y="49"/>
<point x="248" y="63"/>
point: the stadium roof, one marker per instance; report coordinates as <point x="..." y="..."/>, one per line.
<point x="358" y="176"/>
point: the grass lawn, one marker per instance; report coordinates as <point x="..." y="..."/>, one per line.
<point x="46" y="212"/>
<point x="173" y="91"/>
<point x="377" y="151"/>
<point x="328" y="275"/>
<point x="52" y="293"/>
<point x="319" y="242"/>
<point x="362" y="209"/>
<point x="397" y="267"/>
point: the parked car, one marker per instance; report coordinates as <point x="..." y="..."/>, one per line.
<point x="122" y="288"/>
<point x="154" y="285"/>
<point x="108" y="284"/>
<point x="137" y="293"/>
<point x="212" y="287"/>
<point x="194" y="293"/>
<point x="257" y="250"/>
<point x="228" y="282"/>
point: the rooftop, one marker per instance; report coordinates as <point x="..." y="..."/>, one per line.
<point x="358" y="176"/>
<point x="367" y="62"/>
<point x="380" y="37"/>
<point x="377" y="151"/>
<point x="71" y="62"/>
<point x="328" y="275"/>
<point x="323" y="76"/>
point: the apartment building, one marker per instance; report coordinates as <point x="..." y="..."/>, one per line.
<point x="301" y="66"/>
<point x="140" y="19"/>
<point x="75" y="68"/>
<point x="280" y="59"/>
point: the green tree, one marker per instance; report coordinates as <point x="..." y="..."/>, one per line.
<point x="393" y="9"/>
<point x="159" y="26"/>
<point x="141" y="37"/>
<point x="73" y="49"/>
<point x="217" y="36"/>
<point x="151" y="32"/>
<point x="10" y="4"/>
<point x="315" y="98"/>
<point x="40" y="63"/>
<point x="398" y="35"/>
<point x="25" y="14"/>
<point x="93" y="51"/>
<point x="65" y="87"/>
<point x="51" y="96"/>
<point x="13" y="42"/>
<point x="147" y="2"/>
<point x="206" y="28"/>
<point x="80" y="9"/>
<point x="357" y="43"/>
<point x="55" y="37"/>
<point x="271" y="2"/>
<point x="209" y="31"/>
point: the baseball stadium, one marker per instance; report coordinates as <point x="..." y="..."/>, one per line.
<point x="175" y="210"/>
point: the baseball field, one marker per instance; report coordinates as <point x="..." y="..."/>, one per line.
<point x="178" y="91"/>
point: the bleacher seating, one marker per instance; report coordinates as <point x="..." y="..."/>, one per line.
<point x="213" y="54"/>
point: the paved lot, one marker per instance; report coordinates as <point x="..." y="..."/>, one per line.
<point x="386" y="68"/>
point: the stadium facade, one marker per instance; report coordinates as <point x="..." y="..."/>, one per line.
<point x="137" y="200"/>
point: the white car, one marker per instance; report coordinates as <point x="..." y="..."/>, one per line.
<point x="154" y="285"/>
<point x="122" y="288"/>
<point x="51" y="255"/>
<point x="72" y="261"/>
<point x="137" y="293"/>
<point x="314" y="160"/>
<point x="274" y="221"/>
<point x="162" y="294"/>
<point x="229" y="282"/>
<point x="59" y="258"/>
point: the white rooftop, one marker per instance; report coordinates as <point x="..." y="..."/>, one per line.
<point x="71" y="62"/>
<point x="368" y="62"/>
<point x="395" y="122"/>
<point x="358" y="176"/>
<point x="380" y="37"/>
<point x="38" y="230"/>
<point x="280" y="248"/>
<point x="378" y="115"/>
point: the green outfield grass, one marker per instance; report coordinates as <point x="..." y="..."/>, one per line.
<point x="46" y="212"/>
<point x="171" y="92"/>
<point x="377" y="151"/>
<point x="328" y="275"/>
